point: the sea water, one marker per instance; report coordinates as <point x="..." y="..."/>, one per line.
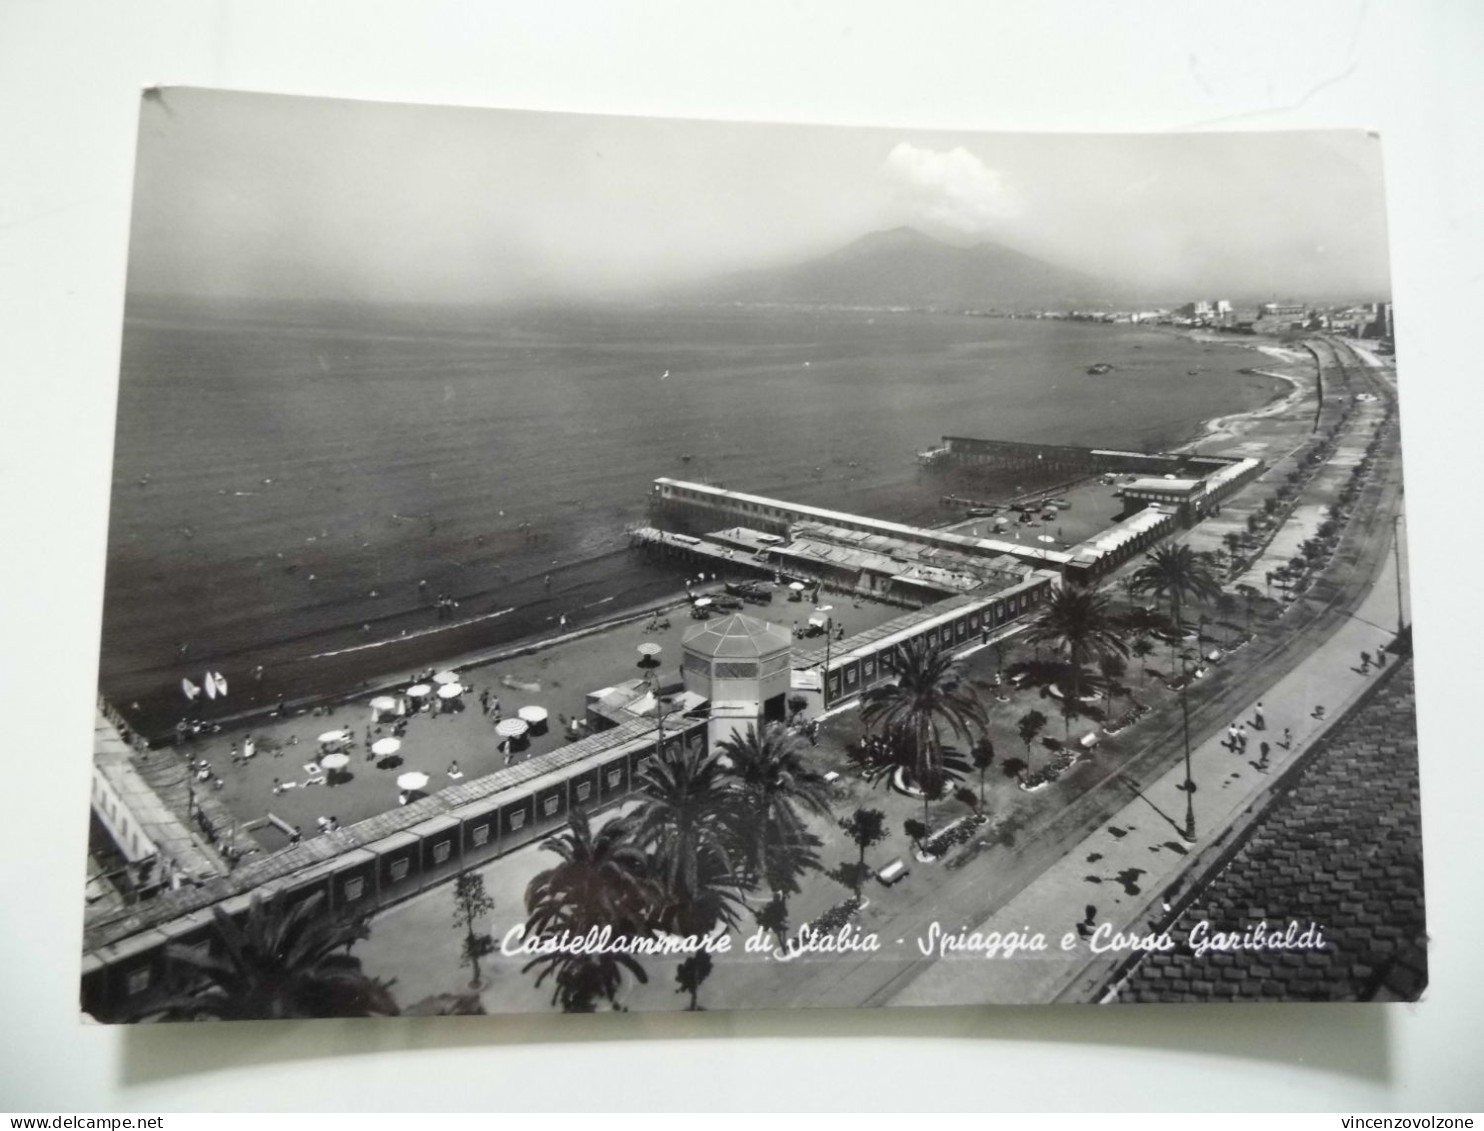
<point x="296" y="484"/>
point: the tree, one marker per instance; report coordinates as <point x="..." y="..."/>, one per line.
<point x="1080" y="626"/>
<point x="982" y="753"/>
<point x="1113" y="667"/>
<point x="1015" y="768"/>
<point x="773" y="784"/>
<point x="1233" y="540"/>
<point x="1028" y="726"/>
<point x="1143" y="647"/>
<point x="773" y="916"/>
<point x="929" y="694"/>
<point x="282" y="959"/>
<point x="471" y="903"/>
<point x="1176" y="573"/>
<point x="603" y="880"/>
<point x="687" y="821"/>
<point x="690" y="975"/>
<point x="1249" y="595"/>
<point x="883" y="757"/>
<point x="916" y="831"/>
<point x="865" y="828"/>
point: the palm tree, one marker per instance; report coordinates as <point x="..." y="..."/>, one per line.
<point x="1176" y="573"/>
<point x="686" y="821"/>
<point x="281" y="960"/>
<point x="883" y="757"/>
<point x="603" y="881"/>
<point x="1028" y="726"/>
<point x="929" y="694"/>
<point x="773" y="784"/>
<point x="1015" y="768"/>
<point x="1080" y="625"/>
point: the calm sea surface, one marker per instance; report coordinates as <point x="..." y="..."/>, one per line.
<point x="285" y="476"/>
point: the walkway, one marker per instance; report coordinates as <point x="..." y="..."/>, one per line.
<point x="1114" y="875"/>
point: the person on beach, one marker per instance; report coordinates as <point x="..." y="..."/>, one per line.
<point x="249" y="748"/>
<point x="402" y="798"/>
<point x="484" y="700"/>
<point x="454" y="771"/>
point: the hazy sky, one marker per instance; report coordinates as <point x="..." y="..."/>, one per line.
<point x="246" y="194"/>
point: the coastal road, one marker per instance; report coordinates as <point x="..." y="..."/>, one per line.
<point x="1044" y="885"/>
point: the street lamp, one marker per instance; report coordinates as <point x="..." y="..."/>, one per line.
<point x="1189" y="831"/>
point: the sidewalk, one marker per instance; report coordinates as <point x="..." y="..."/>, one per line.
<point x="1115" y="873"/>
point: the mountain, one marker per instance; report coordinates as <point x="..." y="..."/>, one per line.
<point x="906" y="268"/>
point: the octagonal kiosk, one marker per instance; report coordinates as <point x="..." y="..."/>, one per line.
<point x="741" y="665"/>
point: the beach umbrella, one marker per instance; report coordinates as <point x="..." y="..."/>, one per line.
<point x="384" y="746"/>
<point x="383" y="703"/>
<point x="450" y="691"/>
<point x="418" y="690"/>
<point x="414" y="779"/>
<point x="702" y="602"/>
<point x="335" y="761"/>
<point x="210" y="684"/>
<point x="331" y="736"/>
<point x="797" y="586"/>
<point x="190" y="689"/>
<point x="533" y="714"/>
<point x="1045" y="538"/>
<point x="511" y="728"/>
<point x="649" y="648"/>
<point x="446" y="677"/>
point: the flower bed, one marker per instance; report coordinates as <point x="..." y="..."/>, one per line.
<point x="951" y="836"/>
<point x="1058" y="764"/>
<point x="1127" y="719"/>
<point x="838" y="915"/>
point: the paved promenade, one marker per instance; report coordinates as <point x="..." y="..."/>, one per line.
<point x="1122" y="870"/>
<point x="1341" y="846"/>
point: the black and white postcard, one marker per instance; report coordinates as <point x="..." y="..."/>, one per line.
<point x="576" y="563"/>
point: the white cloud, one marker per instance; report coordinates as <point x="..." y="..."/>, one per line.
<point x="948" y="189"/>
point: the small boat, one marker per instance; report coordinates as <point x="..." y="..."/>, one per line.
<point x="1099" y="369"/>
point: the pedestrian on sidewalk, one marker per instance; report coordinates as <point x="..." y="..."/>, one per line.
<point x="1287" y="742"/>
<point x="1365" y="663"/>
<point x="1262" y="761"/>
<point x="1242" y="738"/>
<point x="1258" y="721"/>
<point x="1319" y="711"/>
<point x="1380" y="658"/>
<point x="1231" y="736"/>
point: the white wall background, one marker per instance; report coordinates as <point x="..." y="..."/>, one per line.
<point x="69" y="78"/>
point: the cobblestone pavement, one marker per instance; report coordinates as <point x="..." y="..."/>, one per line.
<point x="1341" y="846"/>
